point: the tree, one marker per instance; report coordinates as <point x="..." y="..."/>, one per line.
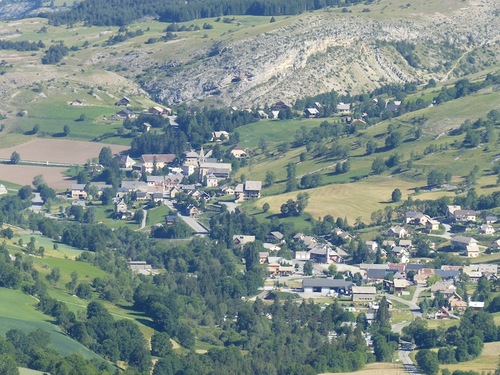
<point x="138" y="216"/>
<point x="308" y="268"/>
<point x="265" y="207"/>
<point x="435" y="178"/>
<point x="54" y="276"/>
<point x="8" y="365"/>
<point x="291" y="175"/>
<point x="36" y="129"/>
<point x="427" y="361"/>
<point x="270" y="178"/>
<point x="105" y="156"/>
<point x="46" y="193"/>
<point x="38" y="181"/>
<point x="84" y="291"/>
<point x="394" y="139"/>
<point x="302" y="202"/>
<point x="161" y="346"/>
<point x="396" y="195"/>
<point x="66" y="130"/>
<point x="25" y="192"/>
<point x="378" y="165"/>
<point x="15" y="158"/>
<point x="371" y="147"/>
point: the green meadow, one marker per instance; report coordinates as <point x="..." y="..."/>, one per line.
<point x="17" y="311"/>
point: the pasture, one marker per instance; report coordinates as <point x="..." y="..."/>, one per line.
<point x="487" y="361"/>
<point x="17" y="311"/>
<point x="345" y="200"/>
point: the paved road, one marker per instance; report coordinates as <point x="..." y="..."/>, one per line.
<point x="143" y="223"/>
<point x="404" y="352"/>
<point x="191" y="221"/>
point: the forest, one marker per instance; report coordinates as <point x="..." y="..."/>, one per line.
<point x="121" y="12"/>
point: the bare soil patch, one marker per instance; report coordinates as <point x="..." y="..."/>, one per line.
<point x="23" y="175"/>
<point x="58" y="151"/>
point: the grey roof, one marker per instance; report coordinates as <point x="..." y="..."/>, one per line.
<point x="375" y="273"/>
<point x="448" y="274"/>
<point x="414" y="267"/>
<point x="367" y="266"/>
<point x="326" y="283"/>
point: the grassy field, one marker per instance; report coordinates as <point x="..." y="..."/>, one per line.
<point x="487" y="361"/>
<point x="344" y="200"/>
<point x="17" y="312"/>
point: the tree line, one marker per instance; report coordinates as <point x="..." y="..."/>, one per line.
<point x="121" y="12"/>
<point x="22" y="45"/>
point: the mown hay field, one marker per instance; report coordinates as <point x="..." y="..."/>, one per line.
<point x="345" y="200"/>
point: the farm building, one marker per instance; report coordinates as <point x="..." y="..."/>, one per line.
<point x="326" y="286"/>
<point x="363" y="293"/>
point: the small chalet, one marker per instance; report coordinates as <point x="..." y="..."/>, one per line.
<point x="461" y="242"/>
<point x="432" y="225"/>
<point x="126" y="113"/>
<point x="452" y="209"/>
<point x="491" y="219"/>
<point x="76" y="102"/>
<point x="414" y="217"/>
<point x="392" y="106"/>
<point x="344" y="108"/>
<point x="211" y="181"/>
<point x="472" y="251"/>
<point x="125" y="162"/>
<point x="476" y="305"/>
<point x="456" y="303"/>
<point x="192" y="211"/>
<point x="400" y="285"/>
<point x="446" y="288"/>
<point x="343" y="235"/>
<point x="238" y="152"/>
<point x="241" y="240"/>
<point x="397" y="232"/>
<point x="219" y="136"/>
<point x="263" y="257"/>
<point x="157" y="110"/>
<point x="123" y="102"/>
<point x="487" y="229"/>
<point x="464" y="215"/>
<point x="248" y="190"/>
<point x="3" y="189"/>
<point x="275" y="237"/>
<point x="150" y="162"/>
<point x="281" y="106"/>
<point x="311" y="112"/>
<point x="372" y="246"/>
<point x="120" y="207"/>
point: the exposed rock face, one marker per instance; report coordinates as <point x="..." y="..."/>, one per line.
<point x="11" y="9"/>
<point x="322" y="52"/>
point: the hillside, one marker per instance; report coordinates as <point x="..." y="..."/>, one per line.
<point x="246" y="60"/>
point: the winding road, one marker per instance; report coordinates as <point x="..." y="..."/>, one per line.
<point x="406" y="348"/>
